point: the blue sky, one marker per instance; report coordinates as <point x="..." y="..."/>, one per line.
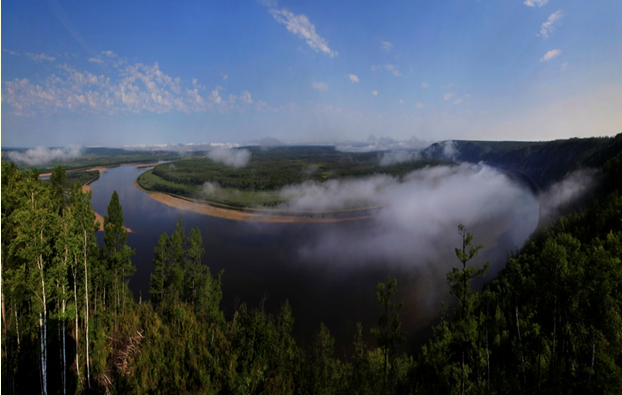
<point x="121" y="73"/>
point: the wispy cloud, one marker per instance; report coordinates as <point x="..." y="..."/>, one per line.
<point x="548" y="26"/>
<point x="424" y="84"/>
<point x="96" y="60"/>
<point x="353" y="78"/>
<point x="550" y="55"/>
<point x="320" y="86"/>
<point x="449" y="95"/>
<point x="386" y="45"/>
<point x="10" y="52"/>
<point x="300" y="26"/>
<point x="374" y="93"/>
<point x="40" y="57"/>
<point x="419" y="106"/>
<point x="535" y="3"/>
<point x="400" y="102"/>
<point x="62" y="16"/>
<point x="389" y="67"/>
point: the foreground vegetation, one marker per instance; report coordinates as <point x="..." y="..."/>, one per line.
<point x="551" y="322"/>
<point x="258" y="183"/>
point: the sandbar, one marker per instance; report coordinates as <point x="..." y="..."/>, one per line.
<point x="202" y="207"/>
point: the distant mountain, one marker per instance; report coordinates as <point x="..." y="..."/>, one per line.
<point x="543" y="163"/>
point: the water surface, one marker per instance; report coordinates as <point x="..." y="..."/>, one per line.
<point x="268" y="261"/>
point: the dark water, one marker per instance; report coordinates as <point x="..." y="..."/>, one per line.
<point x="264" y="261"/>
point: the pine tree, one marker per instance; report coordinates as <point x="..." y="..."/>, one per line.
<point x="158" y="278"/>
<point x="388" y="334"/>
<point x="116" y="251"/>
<point x="465" y="321"/>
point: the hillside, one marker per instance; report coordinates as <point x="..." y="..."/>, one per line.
<point x="543" y="163"/>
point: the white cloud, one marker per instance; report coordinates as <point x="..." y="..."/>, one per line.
<point x="548" y="26"/>
<point x="110" y="54"/>
<point x="353" y="78"/>
<point x="320" y="86"/>
<point x="447" y="86"/>
<point x="389" y="67"/>
<point x="400" y="102"/>
<point x="132" y="88"/>
<point x="40" y="57"/>
<point x="42" y="155"/>
<point x="460" y="100"/>
<point x="419" y="105"/>
<point x="393" y="69"/>
<point x="235" y="158"/>
<point x="550" y="55"/>
<point x="375" y="93"/>
<point x="449" y="95"/>
<point x="225" y="77"/>
<point x="300" y="26"/>
<point x="535" y="3"/>
<point x="398" y="156"/>
<point x="246" y="97"/>
<point x="96" y="60"/>
<point x="424" y="84"/>
<point x="10" y="52"/>
<point x="386" y="45"/>
<point x="374" y="143"/>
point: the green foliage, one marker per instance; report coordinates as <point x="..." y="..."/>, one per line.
<point x="268" y="171"/>
<point x="388" y="334"/>
<point x="550" y="322"/>
<point x="116" y="251"/>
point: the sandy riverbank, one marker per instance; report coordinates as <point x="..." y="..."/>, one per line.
<point x="98" y="217"/>
<point x="235" y="215"/>
<point x="205" y="208"/>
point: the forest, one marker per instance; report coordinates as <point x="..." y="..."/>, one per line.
<point x="549" y="323"/>
<point x="269" y="170"/>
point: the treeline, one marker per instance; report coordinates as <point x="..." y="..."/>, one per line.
<point x="551" y="322"/>
<point x="276" y="168"/>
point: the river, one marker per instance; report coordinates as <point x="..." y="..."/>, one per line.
<point x="271" y="261"/>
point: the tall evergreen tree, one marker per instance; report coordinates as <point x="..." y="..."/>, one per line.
<point x="388" y="334"/>
<point x="116" y="250"/>
<point x="465" y="320"/>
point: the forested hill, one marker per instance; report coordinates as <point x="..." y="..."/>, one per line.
<point x="544" y="163"/>
<point x="549" y="323"/>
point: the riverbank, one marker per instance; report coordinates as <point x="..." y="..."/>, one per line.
<point x="246" y="215"/>
<point x="98" y="217"/>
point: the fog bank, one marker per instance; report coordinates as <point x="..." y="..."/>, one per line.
<point x="41" y="155"/>
<point x="235" y="158"/>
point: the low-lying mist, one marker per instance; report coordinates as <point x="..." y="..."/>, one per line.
<point x="413" y="230"/>
<point x="41" y="155"/>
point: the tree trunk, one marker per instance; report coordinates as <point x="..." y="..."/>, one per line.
<point x="589" y="380"/>
<point x="75" y="301"/>
<point x="521" y="345"/>
<point x="487" y="353"/>
<point x="44" y="329"/>
<point x="86" y="307"/>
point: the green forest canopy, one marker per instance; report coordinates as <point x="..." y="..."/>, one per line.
<point x="550" y="322"/>
<point x="269" y="170"/>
